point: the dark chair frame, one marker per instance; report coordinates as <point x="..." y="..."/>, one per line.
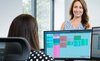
<point x="22" y="45"/>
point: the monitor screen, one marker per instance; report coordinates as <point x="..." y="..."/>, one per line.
<point x="2" y="46"/>
<point x="2" y="49"/>
<point x="96" y="42"/>
<point x="68" y="44"/>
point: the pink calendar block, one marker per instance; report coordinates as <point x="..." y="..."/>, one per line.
<point x="56" y="51"/>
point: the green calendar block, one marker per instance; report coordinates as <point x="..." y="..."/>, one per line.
<point x="77" y="37"/>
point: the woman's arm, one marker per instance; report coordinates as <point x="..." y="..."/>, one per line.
<point x="62" y="26"/>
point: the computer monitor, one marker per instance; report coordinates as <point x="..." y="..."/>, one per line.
<point x="2" y="47"/>
<point x="2" y="50"/>
<point x="68" y="44"/>
<point x="96" y="42"/>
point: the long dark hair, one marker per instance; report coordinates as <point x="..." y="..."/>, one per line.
<point x="85" y="18"/>
<point x="25" y="26"/>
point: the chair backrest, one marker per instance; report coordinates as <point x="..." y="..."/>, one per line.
<point x="15" y="49"/>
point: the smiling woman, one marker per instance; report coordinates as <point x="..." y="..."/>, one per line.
<point x="77" y="10"/>
<point x="79" y="19"/>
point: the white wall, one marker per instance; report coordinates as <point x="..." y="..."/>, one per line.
<point x="9" y="9"/>
<point x="59" y="13"/>
<point x="93" y="11"/>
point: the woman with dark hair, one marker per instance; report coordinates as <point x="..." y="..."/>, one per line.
<point x="26" y="26"/>
<point x="79" y="19"/>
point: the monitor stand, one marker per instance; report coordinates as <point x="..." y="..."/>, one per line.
<point x="68" y="60"/>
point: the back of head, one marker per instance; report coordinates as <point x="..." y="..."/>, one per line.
<point x="25" y="26"/>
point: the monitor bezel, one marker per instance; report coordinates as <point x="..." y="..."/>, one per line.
<point x="92" y="41"/>
<point x="89" y="30"/>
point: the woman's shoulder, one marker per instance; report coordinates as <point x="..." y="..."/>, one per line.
<point x="39" y="56"/>
<point x="65" y="23"/>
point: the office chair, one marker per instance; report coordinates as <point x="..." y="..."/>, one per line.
<point x="14" y="49"/>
